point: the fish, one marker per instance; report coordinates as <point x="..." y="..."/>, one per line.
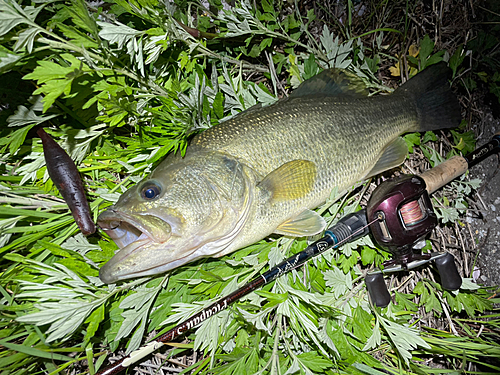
<point x="267" y="168"/>
<point x="65" y="176"/>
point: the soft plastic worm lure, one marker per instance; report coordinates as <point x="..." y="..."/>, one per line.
<point x="63" y="172"/>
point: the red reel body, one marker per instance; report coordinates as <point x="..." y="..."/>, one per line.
<point x="403" y="213"/>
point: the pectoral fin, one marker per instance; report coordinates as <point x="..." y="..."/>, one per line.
<point x="393" y="155"/>
<point x="292" y="180"/>
<point x="307" y="223"/>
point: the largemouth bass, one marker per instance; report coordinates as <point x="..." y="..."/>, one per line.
<point x="263" y="171"/>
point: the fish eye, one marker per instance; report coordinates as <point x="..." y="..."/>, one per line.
<point x="150" y="191"/>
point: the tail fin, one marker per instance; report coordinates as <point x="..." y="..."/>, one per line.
<point x="437" y="106"/>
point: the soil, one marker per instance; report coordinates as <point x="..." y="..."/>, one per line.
<point x="485" y="223"/>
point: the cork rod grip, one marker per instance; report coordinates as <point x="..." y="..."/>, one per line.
<point x="445" y="172"/>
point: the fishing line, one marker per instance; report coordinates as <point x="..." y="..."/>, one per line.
<point x="412" y="213"/>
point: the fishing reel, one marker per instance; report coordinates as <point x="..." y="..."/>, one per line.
<point x="401" y="214"/>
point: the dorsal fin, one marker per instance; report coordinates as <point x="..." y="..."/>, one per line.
<point x="332" y="82"/>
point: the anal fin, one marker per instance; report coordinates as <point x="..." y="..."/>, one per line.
<point x="307" y="223"/>
<point x="392" y="156"/>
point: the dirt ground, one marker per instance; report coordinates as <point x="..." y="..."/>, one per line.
<point x="486" y="223"/>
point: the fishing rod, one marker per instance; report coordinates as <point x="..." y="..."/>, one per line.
<point x="350" y="227"/>
<point x="401" y="212"/>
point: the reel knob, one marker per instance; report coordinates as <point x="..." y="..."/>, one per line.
<point x="450" y="278"/>
<point x="377" y="289"/>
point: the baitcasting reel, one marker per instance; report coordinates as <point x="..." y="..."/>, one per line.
<point x="402" y="215"/>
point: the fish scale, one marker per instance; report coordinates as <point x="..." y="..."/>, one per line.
<point x="258" y="138"/>
<point x="263" y="171"/>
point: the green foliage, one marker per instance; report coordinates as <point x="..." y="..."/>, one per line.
<point x="121" y="86"/>
<point x="426" y="57"/>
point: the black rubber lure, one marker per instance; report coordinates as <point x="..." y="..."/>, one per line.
<point x="63" y="172"/>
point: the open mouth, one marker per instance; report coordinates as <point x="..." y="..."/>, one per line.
<point x="126" y="229"/>
<point x="132" y="234"/>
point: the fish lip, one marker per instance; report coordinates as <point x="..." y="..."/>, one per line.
<point x="122" y="266"/>
<point x="110" y="272"/>
<point x="133" y="233"/>
<point x="112" y="221"/>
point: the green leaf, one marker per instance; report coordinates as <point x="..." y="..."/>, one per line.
<point x="52" y="90"/>
<point x="67" y="317"/>
<point x="58" y="250"/>
<point x="77" y="37"/>
<point x="429" y="300"/>
<point x="405" y="301"/>
<point x="16" y="139"/>
<point x="12" y="14"/>
<point x="368" y="255"/>
<point x="434" y="157"/>
<point x="93" y="321"/>
<point x="403" y="338"/>
<point x="239" y="361"/>
<point x="434" y="59"/>
<point x="338" y="281"/>
<point x="273" y="298"/>
<point x="465" y="142"/>
<point x="375" y="338"/>
<point x="429" y="136"/>
<point x="24" y="116"/>
<point x="457" y="59"/>
<point x="314" y="362"/>
<point x="218" y="105"/>
<point x="367" y="370"/>
<point x="311" y="68"/>
<point x="426" y="48"/>
<point x="411" y="140"/>
<point x="47" y="71"/>
<point x="120" y="34"/>
<point x="34" y="352"/>
<point x="265" y="43"/>
<point x="267" y="6"/>
<point x="8" y="59"/>
<point x="81" y="17"/>
<point x="447" y="214"/>
<point x="26" y="39"/>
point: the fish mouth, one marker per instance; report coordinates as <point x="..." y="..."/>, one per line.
<point x="133" y="233"/>
<point x="125" y="229"/>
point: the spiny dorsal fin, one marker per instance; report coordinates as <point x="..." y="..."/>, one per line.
<point x="307" y="223"/>
<point x="332" y="82"/>
<point x="292" y="180"/>
<point x="393" y="155"/>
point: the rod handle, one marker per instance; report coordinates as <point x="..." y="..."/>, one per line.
<point x="444" y="173"/>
